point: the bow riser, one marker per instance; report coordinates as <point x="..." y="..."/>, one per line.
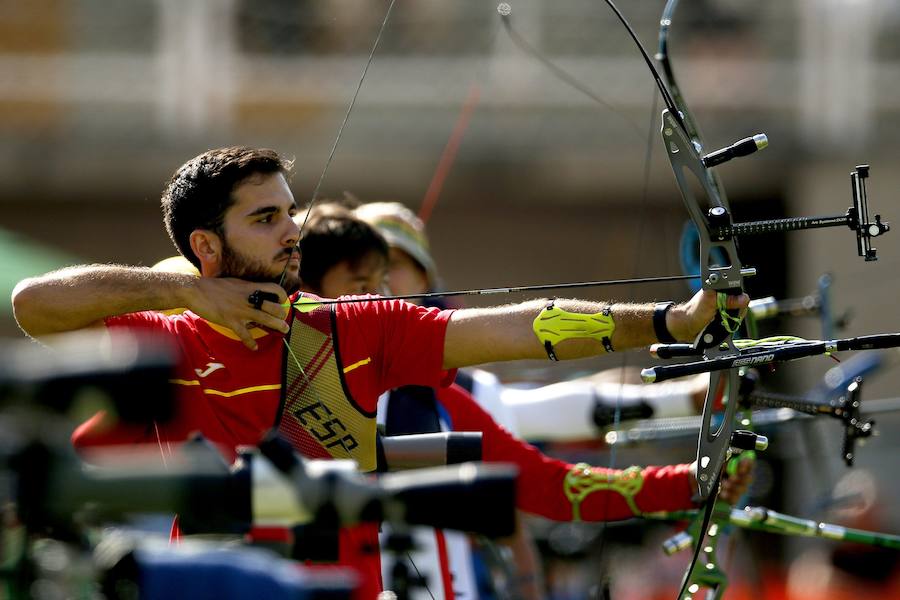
<point x="687" y="164"/>
<point x="685" y="157"/>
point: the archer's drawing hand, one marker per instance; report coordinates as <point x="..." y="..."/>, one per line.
<point x="736" y="481"/>
<point x="685" y="321"/>
<point x="225" y="301"/>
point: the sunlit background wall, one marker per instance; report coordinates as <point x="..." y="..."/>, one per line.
<point x="101" y="101"/>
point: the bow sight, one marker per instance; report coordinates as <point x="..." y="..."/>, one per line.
<point x="856" y="217"/>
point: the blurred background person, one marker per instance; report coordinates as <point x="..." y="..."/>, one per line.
<point x="548" y="487"/>
<point x="561" y="411"/>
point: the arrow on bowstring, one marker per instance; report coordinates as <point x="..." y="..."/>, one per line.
<point x="305" y="304"/>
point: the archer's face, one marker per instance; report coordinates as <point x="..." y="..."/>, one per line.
<point x="404" y="275"/>
<point x="345" y="278"/>
<point x="260" y="233"/>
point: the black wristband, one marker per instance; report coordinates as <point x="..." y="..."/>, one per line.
<point x="548" y="347"/>
<point x="606" y="341"/>
<point x="659" y="323"/>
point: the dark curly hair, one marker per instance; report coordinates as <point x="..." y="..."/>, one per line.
<point x="333" y="235"/>
<point x="200" y="191"/>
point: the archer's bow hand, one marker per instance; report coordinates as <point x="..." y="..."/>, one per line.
<point x="736" y="481"/>
<point x="686" y="321"/>
<point x="226" y="301"/>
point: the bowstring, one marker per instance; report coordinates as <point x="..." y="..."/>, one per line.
<point x="315" y="196"/>
<point x="328" y="162"/>
<point x="340" y="133"/>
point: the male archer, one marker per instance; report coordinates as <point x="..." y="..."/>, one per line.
<point x="316" y="374"/>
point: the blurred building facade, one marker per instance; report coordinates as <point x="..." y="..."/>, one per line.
<point x="100" y="101"/>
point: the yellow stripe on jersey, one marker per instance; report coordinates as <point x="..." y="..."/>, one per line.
<point x="360" y="363"/>
<point x="255" y="332"/>
<point x="247" y="390"/>
<point x="238" y="392"/>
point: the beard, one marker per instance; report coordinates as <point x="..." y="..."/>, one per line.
<point x="238" y="265"/>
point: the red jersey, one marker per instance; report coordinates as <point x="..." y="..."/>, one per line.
<point x="232" y="394"/>
<point x="444" y="558"/>
<point x="540" y="486"/>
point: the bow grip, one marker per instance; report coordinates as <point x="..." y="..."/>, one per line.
<point x="717" y="330"/>
<point x="666" y="351"/>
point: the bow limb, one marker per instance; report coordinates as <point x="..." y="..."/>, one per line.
<point x="683" y="147"/>
<point x="728" y="279"/>
<point x="684" y="150"/>
<point x="662" y="55"/>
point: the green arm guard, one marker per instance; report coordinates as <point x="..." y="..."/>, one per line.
<point x="554" y="325"/>
<point x="582" y="481"/>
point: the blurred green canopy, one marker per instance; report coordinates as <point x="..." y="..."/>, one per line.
<point x="24" y="257"/>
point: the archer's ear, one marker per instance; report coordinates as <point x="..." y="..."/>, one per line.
<point x="207" y="245"/>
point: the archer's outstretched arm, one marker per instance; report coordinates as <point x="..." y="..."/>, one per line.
<point x="476" y="336"/>
<point x="78" y="297"/>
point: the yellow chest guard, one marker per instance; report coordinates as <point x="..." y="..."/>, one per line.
<point x="317" y="416"/>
